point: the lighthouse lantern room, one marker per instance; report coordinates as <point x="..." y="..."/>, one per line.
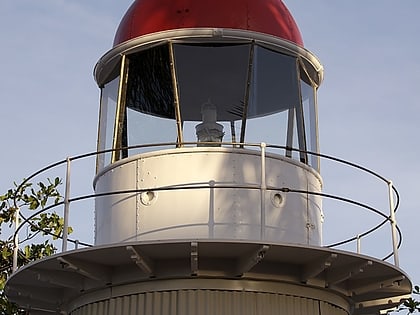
<point x="208" y="187"/>
<point x="205" y="89"/>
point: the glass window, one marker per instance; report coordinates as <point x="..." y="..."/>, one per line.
<point x="292" y="136"/>
<point x="109" y="95"/>
<point x="212" y="83"/>
<point x="274" y="83"/>
<point x="146" y="129"/>
<point x="231" y="131"/>
<point x="310" y="117"/>
<point x="271" y="129"/>
<point x="150" y="113"/>
<point x="149" y="85"/>
<point x="274" y="95"/>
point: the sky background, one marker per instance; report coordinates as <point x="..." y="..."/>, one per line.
<point x="368" y="103"/>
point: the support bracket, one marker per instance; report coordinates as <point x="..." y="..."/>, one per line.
<point x="247" y="262"/>
<point x="313" y="269"/>
<point x="142" y="261"/>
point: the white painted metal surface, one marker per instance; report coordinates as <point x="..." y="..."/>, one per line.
<point x="208" y="193"/>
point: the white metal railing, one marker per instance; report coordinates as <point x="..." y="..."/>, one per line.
<point x="68" y="199"/>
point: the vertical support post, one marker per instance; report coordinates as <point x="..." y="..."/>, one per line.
<point x="233" y="133"/>
<point x="247" y="94"/>
<point x="16" y="241"/>
<point x="290" y="128"/>
<point x="117" y="142"/>
<point x="180" y="139"/>
<point x="66" y="207"/>
<point x="358" y="240"/>
<point x="263" y="189"/>
<point x="393" y="224"/>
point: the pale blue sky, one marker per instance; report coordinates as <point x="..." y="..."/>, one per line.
<point x="368" y="104"/>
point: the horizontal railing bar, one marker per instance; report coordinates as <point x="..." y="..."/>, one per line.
<point x="216" y="186"/>
<point x="237" y="146"/>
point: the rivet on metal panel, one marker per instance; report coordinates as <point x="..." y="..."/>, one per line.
<point x="310" y="226"/>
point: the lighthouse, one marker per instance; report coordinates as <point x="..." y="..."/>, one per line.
<point x="208" y="193"/>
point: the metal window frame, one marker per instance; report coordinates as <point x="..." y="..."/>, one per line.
<point x="100" y="160"/>
<point x="313" y="112"/>
<point x="316" y="128"/>
<point x="175" y="88"/>
<point x="104" y="111"/>
<point x="290" y="129"/>
<point x="300" y="121"/>
<point x="120" y="110"/>
<point x="247" y="91"/>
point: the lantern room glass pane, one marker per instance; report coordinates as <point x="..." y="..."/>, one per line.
<point x="149" y="83"/>
<point x="107" y="113"/>
<point x="150" y="113"/>
<point x="310" y="118"/>
<point x="212" y="74"/>
<point x="219" y="87"/>
<point x="274" y="93"/>
<point x="231" y="131"/>
<point x="143" y="129"/>
<point x="271" y="129"/>
<point x="274" y="86"/>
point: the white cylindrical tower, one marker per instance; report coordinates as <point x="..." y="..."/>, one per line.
<point x="207" y="184"/>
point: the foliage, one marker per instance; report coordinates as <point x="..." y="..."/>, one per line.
<point x="33" y="198"/>
<point x="411" y="305"/>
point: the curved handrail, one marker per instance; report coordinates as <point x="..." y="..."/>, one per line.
<point x="235" y="145"/>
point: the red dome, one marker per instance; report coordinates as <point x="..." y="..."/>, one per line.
<point x="264" y="16"/>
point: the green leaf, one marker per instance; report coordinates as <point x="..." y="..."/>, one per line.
<point x="30" y="197"/>
<point x="5" y="252"/>
<point x="27" y="251"/>
<point x="33" y="204"/>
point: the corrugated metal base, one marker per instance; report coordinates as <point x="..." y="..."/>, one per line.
<point x="209" y="302"/>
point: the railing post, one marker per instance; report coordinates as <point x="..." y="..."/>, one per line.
<point x="66" y="207"/>
<point x="16" y="241"/>
<point x="263" y="189"/>
<point x="358" y="239"/>
<point x="393" y="224"/>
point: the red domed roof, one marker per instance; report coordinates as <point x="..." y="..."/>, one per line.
<point x="264" y="16"/>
